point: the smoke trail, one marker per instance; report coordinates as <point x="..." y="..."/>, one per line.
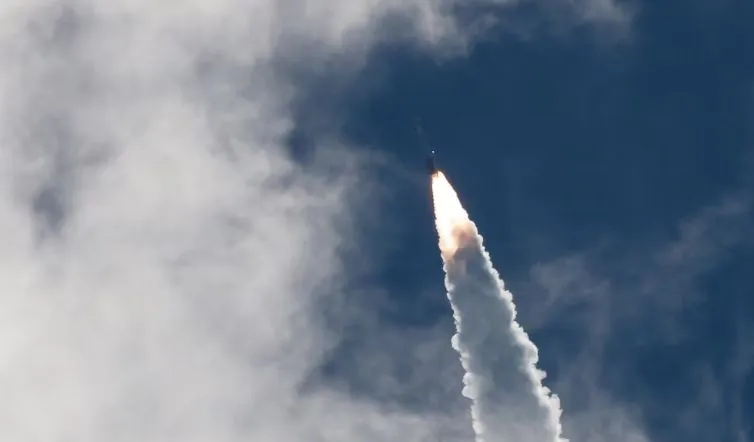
<point x="509" y="402"/>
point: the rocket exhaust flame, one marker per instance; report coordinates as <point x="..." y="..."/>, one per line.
<point x="454" y="227"/>
<point x="509" y="401"/>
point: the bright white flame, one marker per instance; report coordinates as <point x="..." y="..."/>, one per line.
<point x="452" y="221"/>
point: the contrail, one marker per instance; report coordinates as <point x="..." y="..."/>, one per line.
<point x="509" y="402"/>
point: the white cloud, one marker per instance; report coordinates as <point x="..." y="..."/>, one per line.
<point x="161" y="253"/>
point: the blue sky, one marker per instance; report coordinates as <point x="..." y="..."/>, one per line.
<point x="611" y="178"/>
<point x="216" y="222"/>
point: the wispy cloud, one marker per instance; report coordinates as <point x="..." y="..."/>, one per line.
<point x="616" y="299"/>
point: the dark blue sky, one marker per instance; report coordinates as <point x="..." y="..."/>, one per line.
<point x="612" y="181"/>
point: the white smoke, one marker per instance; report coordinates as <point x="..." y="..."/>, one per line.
<point x="509" y="401"/>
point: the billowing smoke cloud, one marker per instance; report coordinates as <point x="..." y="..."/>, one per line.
<point x="509" y="402"/>
<point x="161" y="254"/>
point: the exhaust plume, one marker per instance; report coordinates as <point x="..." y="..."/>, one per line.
<point x="509" y="402"/>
